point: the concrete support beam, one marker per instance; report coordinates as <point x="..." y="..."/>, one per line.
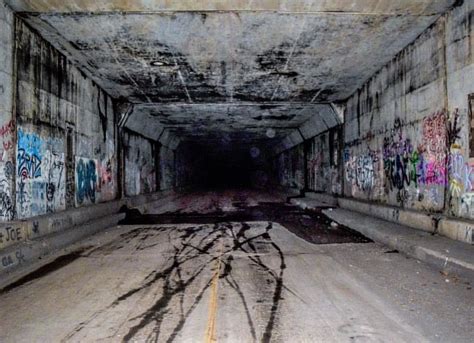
<point x="327" y="117"/>
<point x="375" y="7"/>
<point x="169" y="140"/>
<point x="141" y="123"/>
<point x="149" y="127"/>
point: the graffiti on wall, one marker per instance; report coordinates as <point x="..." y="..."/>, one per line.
<point x="460" y="173"/>
<point x="29" y="155"/>
<point x="400" y="161"/>
<point x="40" y="175"/>
<point x="105" y="174"/>
<point x="7" y="208"/>
<point x="141" y="176"/>
<point x="322" y="176"/>
<point x="460" y="170"/>
<point x="86" y="180"/>
<point x="106" y="182"/>
<point x="6" y="136"/>
<point x="55" y="179"/>
<point x="7" y="172"/>
<point x="433" y="158"/>
<point x="413" y="172"/>
<point x="361" y="170"/>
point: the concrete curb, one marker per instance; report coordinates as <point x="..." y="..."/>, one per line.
<point x="442" y="253"/>
<point x="28" y="252"/>
<point x="308" y="204"/>
<point x="21" y="231"/>
<point x="322" y="197"/>
<point x="456" y="229"/>
<point x="22" y="243"/>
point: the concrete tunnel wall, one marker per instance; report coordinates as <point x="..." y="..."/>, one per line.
<point x="65" y="163"/>
<point x="66" y="135"/>
<point x="140" y="169"/>
<point x="407" y="131"/>
<point x="7" y="132"/>
<point x="60" y="135"/>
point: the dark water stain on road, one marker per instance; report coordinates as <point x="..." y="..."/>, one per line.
<point x="45" y="270"/>
<point x="311" y="225"/>
<point x="195" y="250"/>
<point x="193" y="253"/>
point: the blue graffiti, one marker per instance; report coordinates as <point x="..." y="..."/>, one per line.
<point x="31" y="143"/>
<point x="29" y="155"/>
<point x="86" y="179"/>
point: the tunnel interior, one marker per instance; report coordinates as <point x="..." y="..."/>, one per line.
<point x="231" y="108"/>
<point x="236" y="171"/>
<point x="227" y="171"/>
<point x="213" y="167"/>
<point x="115" y="100"/>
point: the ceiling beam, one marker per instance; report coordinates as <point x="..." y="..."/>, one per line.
<point x="363" y="7"/>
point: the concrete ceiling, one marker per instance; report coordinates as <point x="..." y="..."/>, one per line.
<point x="259" y="60"/>
<point x="247" y="122"/>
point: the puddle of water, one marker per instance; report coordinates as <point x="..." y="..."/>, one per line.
<point x="313" y="226"/>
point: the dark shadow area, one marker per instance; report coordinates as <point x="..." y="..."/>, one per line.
<point x="224" y="172"/>
<point x="45" y="270"/>
<point x="223" y="166"/>
<point x="313" y="226"/>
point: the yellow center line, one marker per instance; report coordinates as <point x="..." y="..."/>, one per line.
<point x="211" y="321"/>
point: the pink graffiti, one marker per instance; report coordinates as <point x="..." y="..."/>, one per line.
<point x="7" y="129"/>
<point x="434" y="136"/>
<point x="105" y="173"/>
<point x="7" y="145"/>
<point x="433" y="151"/>
<point x="433" y="173"/>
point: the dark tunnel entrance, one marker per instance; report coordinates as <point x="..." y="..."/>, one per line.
<point x="212" y="167"/>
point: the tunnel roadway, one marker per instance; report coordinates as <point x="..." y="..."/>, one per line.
<point x="231" y="281"/>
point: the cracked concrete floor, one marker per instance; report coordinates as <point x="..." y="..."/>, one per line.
<point x="232" y="282"/>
